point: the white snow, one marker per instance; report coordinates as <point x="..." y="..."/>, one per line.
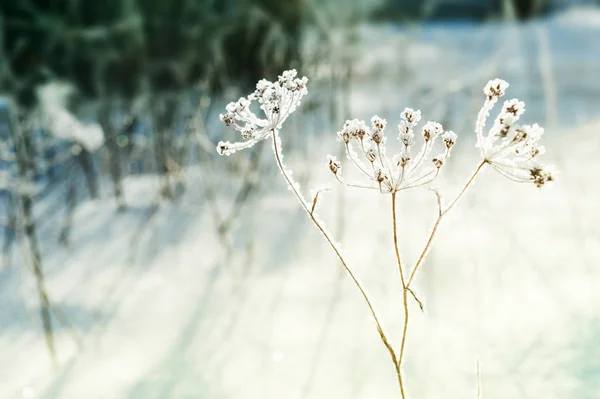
<point x="62" y="123"/>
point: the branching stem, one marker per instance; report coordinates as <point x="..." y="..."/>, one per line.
<point x="439" y="219"/>
<point x="332" y="244"/>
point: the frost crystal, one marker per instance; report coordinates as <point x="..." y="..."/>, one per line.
<point x="277" y="100"/>
<point x="509" y="148"/>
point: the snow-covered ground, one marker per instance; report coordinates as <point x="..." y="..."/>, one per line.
<point x="165" y="310"/>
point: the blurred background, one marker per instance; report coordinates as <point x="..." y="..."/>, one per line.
<point x="137" y="263"/>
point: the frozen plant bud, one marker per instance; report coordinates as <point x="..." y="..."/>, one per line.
<point x="344" y="136"/>
<point x="495" y="88"/>
<point x="371" y="155"/>
<point x="223" y="148"/>
<point x="378" y="123"/>
<point x="535" y="151"/>
<point x="377" y="136"/>
<point x="408" y="139"/>
<point x="241" y="105"/>
<point x="352" y="128"/>
<point x="411" y="116"/>
<point x="403" y="161"/>
<point x="248" y="131"/>
<point x="438" y="161"/>
<point x="286" y="79"/>
<point x="513" y="107"/>
<point x="300" y="85"/>
<point x="261" y="87"/>
<point x="358" y="128"/>
<point x="431" y="130"/>
<point x="227" y="118"/>
<point x="540" y="176"/>
<point x="380" y="175"/>
<point x="333" y="164"/>
<point x="449" y="138"/>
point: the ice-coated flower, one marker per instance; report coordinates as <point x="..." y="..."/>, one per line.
<point x="277" y="100"/>
<point x="333" y="164"/>
<point x="378" y="123"/>
<point x="509" y="148"/>
<point x="449" y="138"/>
<point x="353" y="128"/>
<point x="513" y="107"/>
<point x="432" y="130"/>
<point x="411" y="116"/>
<point x="404" y="170"/>
<point x="495" y="88"/>
<point x="438" y="161"/>
<point x="371" y="155"/>
<point x="541" y="176"/>
<point x="407" y="139"/>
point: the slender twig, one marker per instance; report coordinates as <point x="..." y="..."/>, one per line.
<point x="416" y="298"/>
<point x="331" y="243"/>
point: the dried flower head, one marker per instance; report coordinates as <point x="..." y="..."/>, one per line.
<point x="277" y="100"/>
<point x="333" y="164"/>
<point x="449" y="138"/>
<point x="405" y="170"/>
<point x="411" y="116"/>
<point x="495" y="88"/>
<point x="432" y="130"/>
<point x="509" y="148"/>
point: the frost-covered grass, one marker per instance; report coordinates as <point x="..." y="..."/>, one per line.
<point x="166" y="312"/>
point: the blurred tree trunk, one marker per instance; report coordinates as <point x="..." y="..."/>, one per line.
<point x="526" y="9"/>
<point x="163" y="111"/>
<point x="114" y="159"/>
<point x="25" y="162"/>
<point x="65" y="233"/>
<point x="9" y="231"/>
<point x="85" y="161"/>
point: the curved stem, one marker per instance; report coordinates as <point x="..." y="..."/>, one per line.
<point x="331" y="243"/>
<point x="439" y="219"/>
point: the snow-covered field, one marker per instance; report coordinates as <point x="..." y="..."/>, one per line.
<point x="167" y="309"/>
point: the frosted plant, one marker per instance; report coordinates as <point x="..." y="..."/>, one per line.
<point x="508" y="148"/>
<point x="402" y="171"/>
<point x="277" y="101"/>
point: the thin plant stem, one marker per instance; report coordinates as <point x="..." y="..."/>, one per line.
<point x="308" y="208"/>
<point x="439" y="219"/>
<point x="396" y="240"/>
<point x="406" y="285"/>
<point x="404" y="299"/>
<point x="404" y="334"/>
